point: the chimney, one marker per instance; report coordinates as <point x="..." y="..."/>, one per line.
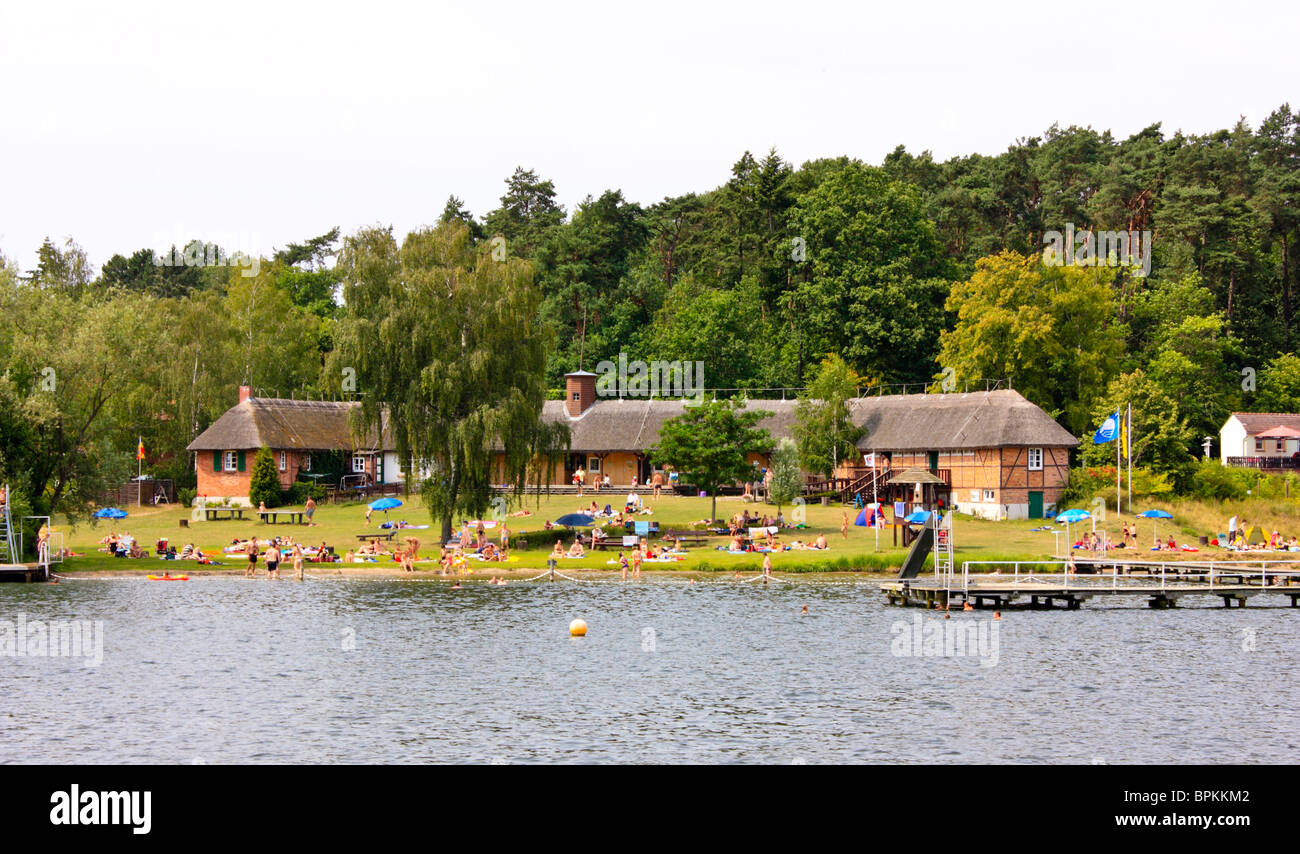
<point x="245" y="392"/>
<point x="579" y="392"/>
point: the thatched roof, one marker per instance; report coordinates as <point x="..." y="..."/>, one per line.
<point x="938" y="422"/>
<point x="632" y="424"/>
<point x="293" y="425"/>
<point x="913" y="422"/>
<point x="915" y="475"/>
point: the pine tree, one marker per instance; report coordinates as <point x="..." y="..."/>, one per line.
<point x="264" y="484"/>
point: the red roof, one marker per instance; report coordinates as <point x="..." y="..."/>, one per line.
<point x="1257" y="422"/>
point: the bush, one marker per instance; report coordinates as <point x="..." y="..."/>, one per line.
<point x="186" y="496"/>
<point x="264" y="484"/>
<point x="299" y="491"/>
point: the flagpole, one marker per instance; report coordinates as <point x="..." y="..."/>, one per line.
<point x="1119" y="466"/>
<point x="1128" y="450"/>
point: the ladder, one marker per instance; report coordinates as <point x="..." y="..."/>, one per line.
<point x="943" y="550"/>
<point x="8" y="548"/>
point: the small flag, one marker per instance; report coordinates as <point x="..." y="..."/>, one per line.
<point x="139" y="450"/>
<point x="1107" y="431"/>
<point x="869" y="460"/>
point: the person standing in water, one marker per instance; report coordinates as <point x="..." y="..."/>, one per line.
<point x="251" y="551"/>
<point x="767" y="566"/>
<point x="273" y="561"/>
<point x="297" y="560"/>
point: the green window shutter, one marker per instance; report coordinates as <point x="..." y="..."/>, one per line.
<point x="241" y="460"/>
<point x="216" y="461"/>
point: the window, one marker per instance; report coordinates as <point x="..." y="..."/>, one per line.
<point x="232" y="461"/>
<point x="988" y="495"/>
<point x="306" y="462"/>
<point x="1035" y="459"/>
<point x="1281" y="445"/>
<point x="593" y="464"/>
<point x="284" y="461"/>
<point x="974" y="495"/>
<point x="358" y="464"/>
<point x="1259" y="444"/>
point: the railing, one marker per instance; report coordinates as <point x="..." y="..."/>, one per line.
<point x="1264" y="462"/>
<point x="1232" y="568"/>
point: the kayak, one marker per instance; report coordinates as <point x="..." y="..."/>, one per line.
<point x="168" y="577"/>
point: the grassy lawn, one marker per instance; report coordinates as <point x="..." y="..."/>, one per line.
<point x="338" y="525"/>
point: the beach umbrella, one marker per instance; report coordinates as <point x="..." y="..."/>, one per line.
<point x="575" y="520"/>
<point x="110" y="513"/>
<point x="1153" y="515"/>
<point x="1072" y="516"/>
<point x="384" y="504"/>
<point x="917" y="517"/>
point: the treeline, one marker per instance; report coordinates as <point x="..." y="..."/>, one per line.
<point x="913" y="271"/>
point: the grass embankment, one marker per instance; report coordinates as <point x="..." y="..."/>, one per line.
<point x="339" y="525"/>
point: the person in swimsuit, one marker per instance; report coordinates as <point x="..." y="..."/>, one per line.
<point x="252" y="558"/>
<point x="273" y="561"/>
<point x="297" y="560"/>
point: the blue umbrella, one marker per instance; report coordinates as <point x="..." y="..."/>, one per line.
<point x="384" y="504"/>
<point x="1153" y="515"/>
<point x="110" y="513"/>
<point x="575" y="520"/>
<point x="1072" y="516"/>
<point x="917" y="517"/>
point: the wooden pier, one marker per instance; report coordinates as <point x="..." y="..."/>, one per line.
<point x="1052" y="584"/>
<point x="23" y="572"/>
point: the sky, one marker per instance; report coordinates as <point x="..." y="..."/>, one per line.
<point x="133" y="125"/>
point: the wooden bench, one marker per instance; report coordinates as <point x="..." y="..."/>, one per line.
<point x="376" y="537"/>
<point x="214" y="514"/>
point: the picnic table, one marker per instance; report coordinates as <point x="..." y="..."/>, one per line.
<point x="295" y="516"/>
<point x="213" y="514"/>
<point x="376" y="537"/>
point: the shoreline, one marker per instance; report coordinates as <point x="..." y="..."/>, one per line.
<point x="320" y="571"/>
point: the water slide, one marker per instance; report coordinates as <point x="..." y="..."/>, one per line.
<point x="916" y="556"/>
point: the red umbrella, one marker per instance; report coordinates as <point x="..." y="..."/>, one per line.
<point x="1279" y="432"/>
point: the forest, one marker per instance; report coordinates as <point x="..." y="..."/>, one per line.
<point x="917" y="273"/>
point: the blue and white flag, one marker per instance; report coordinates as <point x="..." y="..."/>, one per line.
<point x="1108" y="431"/>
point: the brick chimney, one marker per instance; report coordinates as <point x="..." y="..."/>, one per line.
<point x="579" y="392"/>
<point x="245" y="392"/>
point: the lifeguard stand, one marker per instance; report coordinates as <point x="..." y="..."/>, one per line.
<point x="915" y="489"/>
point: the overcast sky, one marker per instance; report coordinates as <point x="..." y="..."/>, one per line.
<point x="255" y="124"/>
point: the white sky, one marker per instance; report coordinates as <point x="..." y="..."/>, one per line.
<point x="256" y="124"/>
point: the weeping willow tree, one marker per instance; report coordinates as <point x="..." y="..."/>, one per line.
<point x="445" y="340"/>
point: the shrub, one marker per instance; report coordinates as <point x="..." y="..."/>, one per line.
<point x="186" y="496"/>
<point x="264" y="484"/>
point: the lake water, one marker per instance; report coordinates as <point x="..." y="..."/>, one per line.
<point x="226" y="670"/>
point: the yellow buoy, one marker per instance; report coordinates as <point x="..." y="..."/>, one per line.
<point x="578" y="628"/>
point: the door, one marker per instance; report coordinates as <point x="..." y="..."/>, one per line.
<point x="1035" y="505"/>
<point x="934" y="460"/>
